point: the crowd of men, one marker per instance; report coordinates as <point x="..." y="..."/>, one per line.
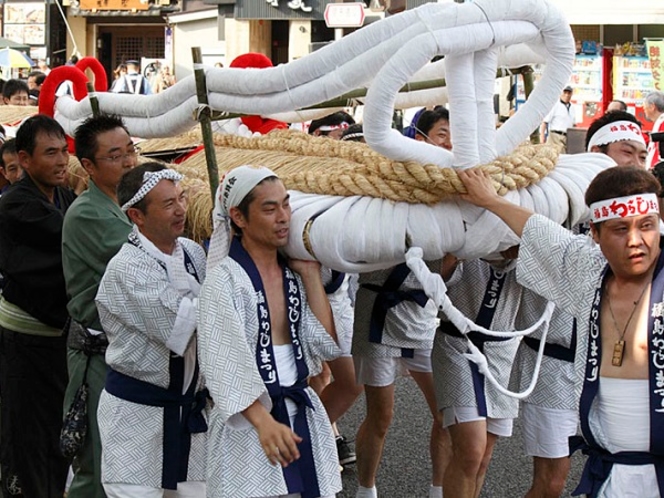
<point x="223" y="374"/>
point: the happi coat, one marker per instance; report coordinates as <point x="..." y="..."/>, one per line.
<point x="556" y="385"/>
<point x="228" y="333"/>
<point x="569" y="270"/>
<point x="490" y="297"/>
<point x="152" y="349"/>
<point x="393" y="315"/>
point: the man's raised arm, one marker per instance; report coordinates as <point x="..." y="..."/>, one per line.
<point x="482" y="193"/>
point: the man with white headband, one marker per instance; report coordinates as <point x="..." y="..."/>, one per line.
<point x="151" y="412"/>
<point x="615" y="290"/>
<point x="265" y="324"/>
<point x="332" y="125"/>
<point x="618" y="135"/>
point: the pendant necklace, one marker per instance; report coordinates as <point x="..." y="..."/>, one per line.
<point x="619" y="346"/>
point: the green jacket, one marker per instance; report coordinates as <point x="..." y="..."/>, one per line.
<point x="94" y="230"/>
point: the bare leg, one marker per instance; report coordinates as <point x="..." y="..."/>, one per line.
<point x="319" y="382"/>
<point x="371" y="435"/>
<point x="549" y="476"/>
<point x="481" y="474"/>
<point x="440" y="447"/>
<point x="339" y="395"/>
<point x="469" y="442"/>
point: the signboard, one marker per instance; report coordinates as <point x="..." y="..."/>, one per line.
<point x="114" y="5"/>
<point x="344" y="15"/>
<point x="25" y="23"/>
<point x="655" y="53"/>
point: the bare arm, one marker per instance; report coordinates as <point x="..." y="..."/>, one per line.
<point x="316" y="296"/>
<point x="542" y="132"/>
<point x="279" y="442"/>
<point x="482" y="193"/>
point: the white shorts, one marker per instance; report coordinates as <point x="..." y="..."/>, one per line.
<point x="501" y="427"/>
<point x="190" y="489"/>
<point x="381" y="372"/>
<point x="546" y="431"/>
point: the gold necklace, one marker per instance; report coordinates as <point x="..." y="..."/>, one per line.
<point x="619" y="346"/>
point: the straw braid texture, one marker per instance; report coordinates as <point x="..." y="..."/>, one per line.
<point x="330" y="167"/>
<point x="14" y="114"/>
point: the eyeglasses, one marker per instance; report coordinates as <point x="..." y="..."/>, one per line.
<point x="116" y="158"/>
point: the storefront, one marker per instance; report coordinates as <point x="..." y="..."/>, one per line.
<point x="115" y="31"/>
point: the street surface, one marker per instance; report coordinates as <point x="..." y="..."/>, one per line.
<point x="405" y="469"/>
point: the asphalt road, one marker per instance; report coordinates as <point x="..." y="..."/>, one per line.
<point x="405" y="469"/>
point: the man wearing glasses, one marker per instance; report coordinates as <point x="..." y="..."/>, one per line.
<point x="94" y="230"/>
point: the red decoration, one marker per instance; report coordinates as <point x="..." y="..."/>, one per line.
<point x="257" y="123"/>
<point x="101" y="80"/>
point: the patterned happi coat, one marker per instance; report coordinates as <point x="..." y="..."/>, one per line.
<point x="140" y="311"/>
<point x="476" y="286"/>
<point x="228" y="332"/>
<point x="556" y="386"/>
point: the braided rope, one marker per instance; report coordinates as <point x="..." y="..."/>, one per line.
<point x="331" y="167"/>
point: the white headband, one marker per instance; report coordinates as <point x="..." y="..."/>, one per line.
<point x="341" y="126"/>
<point x="616" y="132"/>
<point x="232" y="190"/>
<point x="623" y="207"/>
<point x="350" y="136"/>
<point x="150" y="181"/>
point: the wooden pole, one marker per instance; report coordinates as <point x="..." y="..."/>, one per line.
<point x="528" y="87"/>
<point x="94" y="103"/>
<point x="204" y="118"/>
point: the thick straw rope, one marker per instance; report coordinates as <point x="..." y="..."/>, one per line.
<point x="331" y="167"/>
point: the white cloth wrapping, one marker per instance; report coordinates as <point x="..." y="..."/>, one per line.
<point x="141" y="309"/>
<point x="227" y="334"/>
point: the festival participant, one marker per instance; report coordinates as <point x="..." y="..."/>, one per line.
<point x="332" y="126"/>
<point x="10" y="166"/>
<point x="434" y="127"/>
<point x="610" y="289"/>
<point x="93" y="232"/>
<point x="264" y="326"/>
<point x="15" y="92"/>
<point x="616" y="105"/>
<point x="393" y="331"/>
<point x="653" y="107"/>
<point x="133" y="81"/>
<point x="618" y="135"/>
<point x="152" y="429"/>
<point x="559" y="120"/>
<point x="474" y="412"/>
<point x="33" y="311"/>
<point x="354" y="133"/>
<point x="548" y="415"/>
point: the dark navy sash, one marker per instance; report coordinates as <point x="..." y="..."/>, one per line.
<point x="300" y="475"/>
<point x="388" y="295"/>
<point x="599" y="463"/>
<point x="494" y="288"/>
<point x="334" y="284"/>
<point x="557" y="351"/>
<point x="183" y="413"/>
